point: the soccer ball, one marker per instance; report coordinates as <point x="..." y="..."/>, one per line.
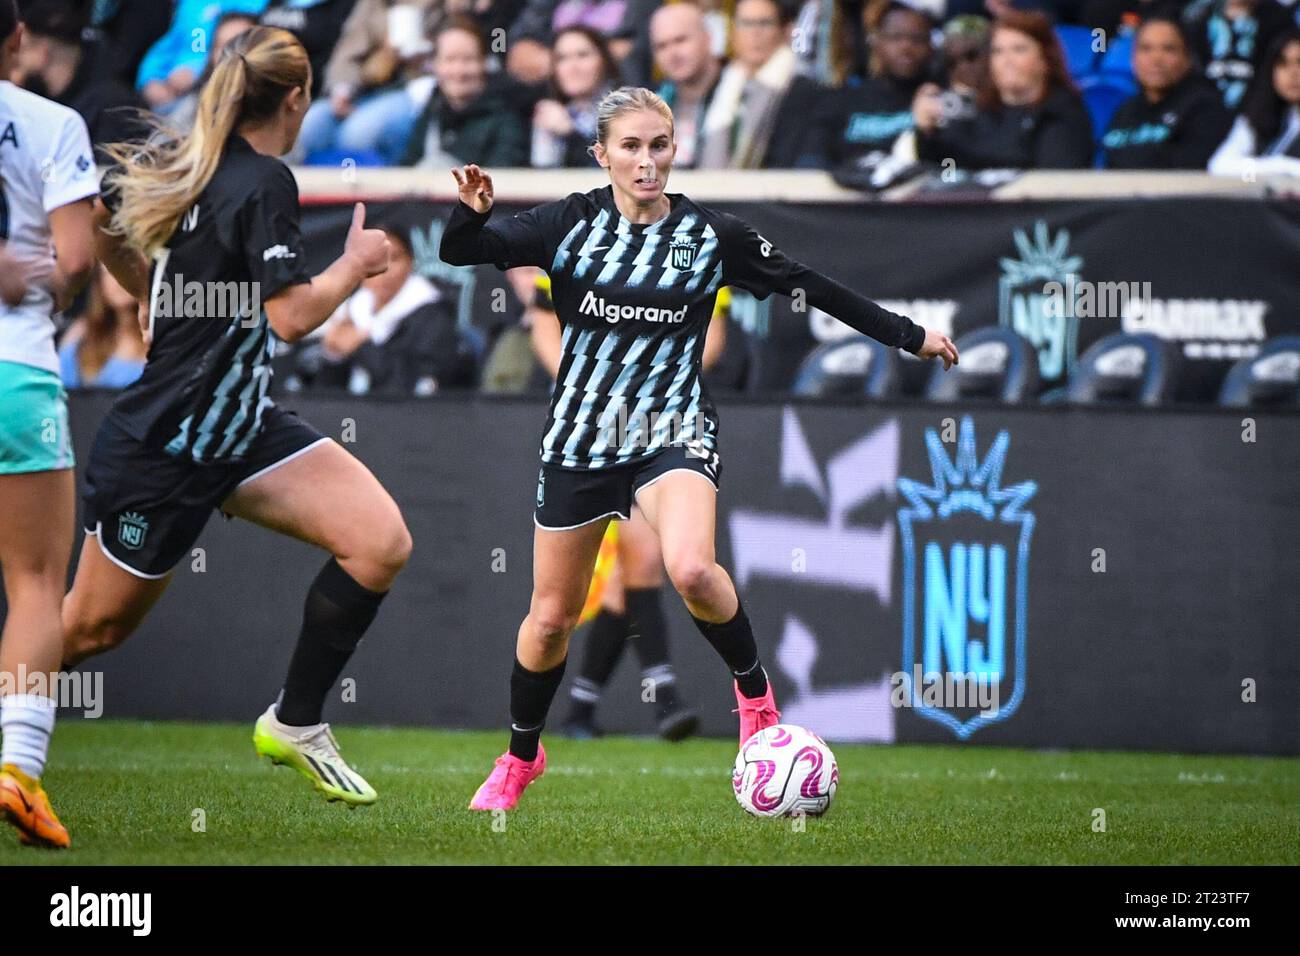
<point x="785" y="770"/>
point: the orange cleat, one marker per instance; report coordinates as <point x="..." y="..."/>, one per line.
<point x="24" y="804"/>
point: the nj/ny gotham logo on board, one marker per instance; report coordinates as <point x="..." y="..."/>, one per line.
<point x="965" y="542"/>
<point x="1025" y="305"/>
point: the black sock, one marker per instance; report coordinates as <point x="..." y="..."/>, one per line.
<point x="337" y="612"/>
<point x="649" y="634"/>
<point x="734" y="642"/>
<point x="604" y="645"/>
<point x="531" y="694"/>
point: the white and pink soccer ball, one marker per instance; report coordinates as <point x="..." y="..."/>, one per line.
<point x="784" y="770"/>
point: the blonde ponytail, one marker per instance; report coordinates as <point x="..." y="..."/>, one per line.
<point x="162" y="178"/>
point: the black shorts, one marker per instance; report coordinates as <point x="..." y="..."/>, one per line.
<point x="147" y="507"/>
<point x="569" y="498"/>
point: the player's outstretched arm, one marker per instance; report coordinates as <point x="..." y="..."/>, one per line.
<point x="860" y="313"/>
<point x="754" y="264"/>
<point x="299" y="309"/>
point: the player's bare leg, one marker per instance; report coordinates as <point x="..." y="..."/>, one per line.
<point x="562" y="568"/>
<point x="106" y="604"/>
<point x="37" y="511"/>
<point x="681" y="507"/>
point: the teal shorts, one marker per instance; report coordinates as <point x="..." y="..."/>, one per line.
<point x="33" y="421"/>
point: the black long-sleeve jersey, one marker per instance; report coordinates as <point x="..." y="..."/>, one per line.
<point x="203" y="393"/>
<point x="635" y="302"/>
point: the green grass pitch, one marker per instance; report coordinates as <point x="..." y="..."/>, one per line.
<point x="128" y="792"/>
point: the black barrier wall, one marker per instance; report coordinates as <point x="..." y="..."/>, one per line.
<point x="1128" y="578"/>
<point x="1213" y="276"/>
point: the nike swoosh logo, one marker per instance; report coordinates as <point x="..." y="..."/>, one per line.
<point x="23" y="797"/>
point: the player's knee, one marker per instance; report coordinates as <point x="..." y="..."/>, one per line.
<point x="35" y="587"/>
<point x="377" y="557"/>
<point x="552" y="621"/>
<point x="691" y="576"/>
<point x="396" y="546"/>
<point x="86" y="634"/>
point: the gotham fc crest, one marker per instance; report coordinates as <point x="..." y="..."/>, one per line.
<point x="131" y="530"/>
<point x="681" y="253"/>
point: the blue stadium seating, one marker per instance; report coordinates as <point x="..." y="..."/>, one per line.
<point x="1079" y="54"/>
<point x="996" y="363"/>
<point x="1102" y="94"/>
<point x="854" y="366"/>
<point x="336" y="157"/>
<point x="1117" y="57"/>
<point x="1126" y="369"/>
<point x="1272" y="377"/>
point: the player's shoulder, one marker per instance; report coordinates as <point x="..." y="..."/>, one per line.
<point x="40" y="120"/>
<point x="581" y="205"/>
<point x="557" y="217"/>
<point x="724" y="224"/>
<point x="243" y="172"/>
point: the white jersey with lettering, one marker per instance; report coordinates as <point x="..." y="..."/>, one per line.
<point x="45" y="162"/>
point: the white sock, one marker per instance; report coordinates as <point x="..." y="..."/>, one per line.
<point x="27" y="721"/>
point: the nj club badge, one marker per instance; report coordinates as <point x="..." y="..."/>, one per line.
<point x="681" y="253"/>
<point x="965" y="541"/>
<point x="131" y="530"/>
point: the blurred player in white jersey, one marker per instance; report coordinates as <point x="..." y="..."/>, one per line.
<point x="47" y="183"/>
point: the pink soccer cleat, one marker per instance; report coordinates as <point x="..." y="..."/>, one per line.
<point x="756" y="713"/>
<point x="507" y="781"/>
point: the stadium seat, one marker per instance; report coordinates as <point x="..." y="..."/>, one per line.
<point x="1103" y="94"/>
<point x="337" y="157"/>
<point x="1125" y="369"/>
<point x="1079" y="54"/>
<point x="857" y="366"/>
<point x="996" y="363"/>
<point x="1117" y="58"/>
<point x="1270" y="378"/>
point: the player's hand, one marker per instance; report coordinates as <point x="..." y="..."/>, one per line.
<point x="13" y="279"/>
<point x="368" y="247"/>
<point x="474" y="186"/>
<point x="939" y="346"/>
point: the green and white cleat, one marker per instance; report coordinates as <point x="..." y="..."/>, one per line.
<point x="314" y="753"/>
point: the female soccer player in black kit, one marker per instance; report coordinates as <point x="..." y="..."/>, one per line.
<point x="634" y="272"/>
<point x="197" y="431"/>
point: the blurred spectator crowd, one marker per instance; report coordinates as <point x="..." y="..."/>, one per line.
<point x="868" y="89"/>
<point x="775" y="84"/>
